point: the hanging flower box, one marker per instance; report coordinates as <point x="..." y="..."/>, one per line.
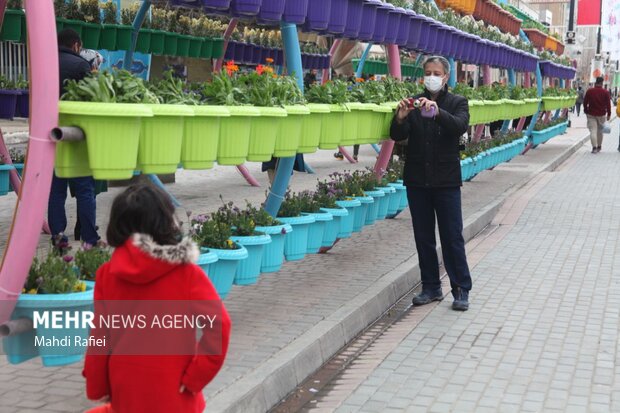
<point x="8" y="103"/>
<point x="113" y="137"/>
<point x="317" y="17"/>
<point x="12" y="25"/>
<point x="337" y="16"/>
<point x="332" y="127"/>
<point x="373" y="208"/>
<point x="91" y="33"/>
<point x="218" y="48"/>
<point x="107" y="39"/>
<point x="195" y="46"/>
<point x="537" y="37"/>
<point x="206" y="49"/>
<point x="235" y="135"/>
<point x="351" y="121"/>
<point x="354" y="19"/>
<point x="287" y="141"/>
<point x="171" y="42"/>
<point x="271" y="10"/>
<point x="216" y="4"/>
<point x="542" y="136"/>
<point x="183" y="44"/>
<point x="295" y="11"/>
<point x="201" y="136"/>
<point x="143" y="44"/>
<point x="265" y="130"/>
<point x="158" y="40"/>
<point x="245" y="7"/>
<point x="312" y="126"/>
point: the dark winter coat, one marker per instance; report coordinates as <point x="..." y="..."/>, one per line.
<point x="433" y="156"/>
<point x="72" y="66"/>
<point x="142" y="270"/>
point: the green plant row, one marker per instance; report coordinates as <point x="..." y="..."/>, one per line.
<point x="378" y="67"/>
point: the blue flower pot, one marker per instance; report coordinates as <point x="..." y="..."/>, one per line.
<point x="346" y="222"/>
<point x="316" y="231"/>
<point x="248" y="270"/>
<point x="21" y="347"/>
<point x="273" y="253"/>
<point x="362" y="212"/>
<point x="373" y="209"/>
<point x="4" y="178"/>
<point x="296" y="243"/>
<point x="395" y="198"/>
<point x="333" y="227"/>
<point x="384" y="203"/>
<point x="222" y="272"/>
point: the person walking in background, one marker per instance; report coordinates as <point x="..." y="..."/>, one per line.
<point x="597" y="105"/>
<point x="75" y="67"/>
<point x="153" y="263"/>
<point x="433" y="179"/>
<point x="579" y="101"/>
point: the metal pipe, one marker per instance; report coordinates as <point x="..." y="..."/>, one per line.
<point x="452" y="80"/>
<point x="15" y="327"/>
<point x="67" y="134"/>
<point x="285" y="165"/>
<point x="137" y="23"/>
<point x="360" y="65"/>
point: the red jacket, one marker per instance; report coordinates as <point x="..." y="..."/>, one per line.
<point x="143" y="270"/>
<point x="597" y="102"/>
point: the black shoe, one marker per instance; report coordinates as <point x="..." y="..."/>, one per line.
<point x="339" y="156"/>
<point x="426" y="297"/>
<point x="594" y="150"/>
<point x="461" y="300"/>
<point x="355" y="157"/>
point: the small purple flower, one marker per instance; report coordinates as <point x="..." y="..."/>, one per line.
<point x="283" y="231"/>
<point x="188" y="213"/>
<point x="67" y="258"/>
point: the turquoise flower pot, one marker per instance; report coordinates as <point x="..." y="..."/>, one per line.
<point x="396" y="198"/>
<point x="296" y="243"/>
<point x="19" y="167"/>
<point x="273" y="253"/>
<point x="373" y="209"/>
<point x="346" y="222"/>
<point x="4" y="178"/>
<point x="222" y="272"/>
<point x="317" y="230"/>
<point x="333" y="227"/>
<point x="362" y="212"/>
<point x="21" y="347"/>
<point x="248" y="270"/>
<point x="384" y="203"/>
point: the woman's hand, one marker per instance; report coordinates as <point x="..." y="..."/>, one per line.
<point x="428" y="104"/>
<point x="403" y="110"/>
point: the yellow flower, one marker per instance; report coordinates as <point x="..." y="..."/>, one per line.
<point x="229" y="242"/>
<point x="32" y="291"/>
<point x="23" y="290"/>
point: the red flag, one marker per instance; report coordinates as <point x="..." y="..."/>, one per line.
<point x="589" y="12"/>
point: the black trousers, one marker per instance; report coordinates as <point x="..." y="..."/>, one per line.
<point x="445" y="204"/>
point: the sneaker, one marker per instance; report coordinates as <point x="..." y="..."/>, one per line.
<point x="598" y="149"/>
<point x="426" y="297"/>
<point x="339" y="156"/>
<point x="355" y="157"/>
<point x="461" y="300"/>
<point x="594" y="150"/>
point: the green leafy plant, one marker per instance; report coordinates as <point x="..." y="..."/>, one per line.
<point x="291" y="205"/>
<point x="260" y="216"/>
<point x="128" y="15"/>
<point x="209" y="233"/>
<point x="159" y="19"/>
<point x="467" y="91"/>
<point x="53" y="275"/>
<point x="6" y="84"/>
<point x="542" y="125"/>
<point x="334" y="93"/>
<point x="173" y="90"/>
<point x="89" y="260"/>
<point x="242" y="224"/>
<point x="15" y="4"/>
<point x="110" y="13"/>
<point x="17" y="156"/>
<point x="118" y="87"/>
<point x="73" y="11"/>
<point x="90" y="10"/>
<point x="308" y="202"/>
<point x="222" y="90"/>
<point x="60" y="8"/>
<point x="21" y="83"/>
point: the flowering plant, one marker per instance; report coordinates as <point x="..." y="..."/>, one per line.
<point x="210" y="233"/>
<point x="88" y="260"/>
<point x="260" y="216"/>
<point x="53" y="275"/>
<point x="308" y="202"/>
<point x="291" y="206"/>
<point x="242" y="224"/>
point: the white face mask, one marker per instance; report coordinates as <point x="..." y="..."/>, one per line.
<point x="433" y="83"/>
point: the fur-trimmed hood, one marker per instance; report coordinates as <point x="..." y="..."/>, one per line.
<point x="141" y="260"/>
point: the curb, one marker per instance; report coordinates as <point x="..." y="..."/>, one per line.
<point x="273" y="380"/>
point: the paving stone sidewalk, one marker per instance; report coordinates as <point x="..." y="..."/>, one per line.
<point x="272" y="314"/>
<point x="542" y="332"/>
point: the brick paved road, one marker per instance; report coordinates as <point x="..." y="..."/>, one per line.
<point x="543" y="327"/>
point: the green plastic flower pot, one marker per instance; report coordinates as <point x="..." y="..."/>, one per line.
<point x="248" y="270"/>
<point x="235" y="135"/>
<point x="183" y="45"/>
<point x="387" y="119"/>
<point x="71" y="157"/>
<point x="316" y="230"/>
<point x="264" y="133"/>
<point x="157" y="42"/>
<point x="12" y="25"/>
<point x="161" y="138"/>
<point x="143" y="44"/>
<point x="123" y="37"/>
<point x="493" y="110"/>
<point x="273" y="254"/>
<point x="74" y="25"/>
<point x="107" y="40"/>
<point x="60" y="24"/>
<point x="311" y="127"/>
<point x="332" y="127"/>
<point x="206" y="49"/>
<point x="218" y="48"/>
<point x="367" y="124"/>
<point x="287" y="141"/>
<point x="195" y="46"/>
<point x="201" y="136"/>
<point x="171" y="41"/>
<point x="91" y="34"/>
<point x="380" y="114"/>
<point x="351" y="122"/>
<point x="112" y="135"/>
<point x="23" y="38"/>
<point x="475" y="112"/>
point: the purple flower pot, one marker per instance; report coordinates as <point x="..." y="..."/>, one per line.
<point x="495" y="54"/>
<point x="352" y="26"/>
<point x="216" y="4"/>
<point x="8" y="103"/>
<point x="403" y="27"/>
<point x="271" y="10"/>
<point x="295" y="11"/>
<point x="338" y="16"/>
<point x="230" y="51"/>
<point x="23" y="103"/>
<point x="450" y="42"/>
<point x="416" y="32"/>
<point x="369" y="17"/>
<point x="381" y="22"/>
<point x="248" y="53"/>
<point x="186" y="3"/>
<point x="433" y="36"/>
<point x="317" y="18"/>
<point x="304" y="61"/>
<point x="245" y="7"/>
<point x="393" y="24"/>
<point x="326" y="62"/>
<point x="279" y="58"/>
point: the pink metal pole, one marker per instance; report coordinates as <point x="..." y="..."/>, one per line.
<point x="229" y="30"/>
<point x="521" y="124"/>
<point x="486" y="74"/>
<point x="32" y="201"/>
<point x="243" y="170"/>
<point x="528" y="80"/>
<point x="388" y="145"/>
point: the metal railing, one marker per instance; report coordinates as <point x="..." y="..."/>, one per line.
<point x="14" y="60"/>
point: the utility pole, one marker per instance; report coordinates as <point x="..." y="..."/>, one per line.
<point x="599" y="39"/>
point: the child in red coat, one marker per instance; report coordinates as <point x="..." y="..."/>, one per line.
<point x="152" y="262"/>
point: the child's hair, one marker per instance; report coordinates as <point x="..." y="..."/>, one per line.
<point x="143" y="208"/>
